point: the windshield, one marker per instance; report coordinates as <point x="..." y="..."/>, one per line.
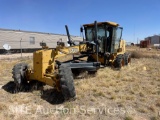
<point x="101" y="34"/>
<point x="108" y="37"/>
<point x="101" y="38"/>
<point x="90" y="34"/>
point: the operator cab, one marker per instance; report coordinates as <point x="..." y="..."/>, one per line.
<point x="108" y="36"/>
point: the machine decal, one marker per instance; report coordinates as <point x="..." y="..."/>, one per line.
<point x="73" y="50"/>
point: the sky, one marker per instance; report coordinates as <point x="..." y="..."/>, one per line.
<point x="139" y="18"/>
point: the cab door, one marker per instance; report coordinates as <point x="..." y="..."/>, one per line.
<point x="116" y="37"/>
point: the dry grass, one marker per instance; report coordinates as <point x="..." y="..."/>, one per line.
<point x="138" y="54"/>
<point x="131" y="93"/>
<point x="143" y="52"/>
<point x="128" y="118"/>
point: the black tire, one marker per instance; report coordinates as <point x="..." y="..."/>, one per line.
<point x="119" y="61"/>
<point x="127" y="58"/>
<point x="19" y="75"/>
<point x="66" y="82"/>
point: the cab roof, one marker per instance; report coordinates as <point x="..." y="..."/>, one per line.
<point x="100" y="23"/>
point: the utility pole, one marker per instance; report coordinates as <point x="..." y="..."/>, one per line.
<point x="134" y="34"/>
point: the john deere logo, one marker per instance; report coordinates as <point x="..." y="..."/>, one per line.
<point x="73" y="50"/>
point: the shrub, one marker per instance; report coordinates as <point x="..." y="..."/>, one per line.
<point x="136" y="54"/>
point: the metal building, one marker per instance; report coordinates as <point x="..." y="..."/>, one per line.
<point x="155" y="39"/>
<point x="150" y="41"/>
<point x="30" y="41"/>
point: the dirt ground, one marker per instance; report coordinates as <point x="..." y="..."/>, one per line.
<point x="132" y="93"/>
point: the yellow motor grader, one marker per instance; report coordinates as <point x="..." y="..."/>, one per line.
<point x="101" y="45"/>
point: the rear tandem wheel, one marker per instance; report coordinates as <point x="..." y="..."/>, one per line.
<point x="19" y="75"/>
<point x="119" y="61"/>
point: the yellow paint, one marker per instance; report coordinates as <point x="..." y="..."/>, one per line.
<point x="121" y="50"/>
<point x="44" y="63"/>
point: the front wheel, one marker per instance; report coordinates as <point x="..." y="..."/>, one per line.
<point x="127" y="58"/>
<point x="19" y="75"/>
<point x="66" y="82"/>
